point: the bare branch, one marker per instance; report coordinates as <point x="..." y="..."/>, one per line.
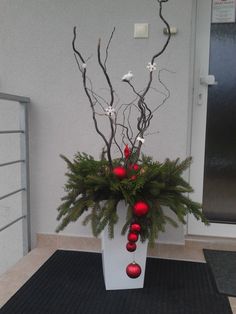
<point x="144" y="113"/>
<point x="77" y="53"/>
<point x="107" y="48"/>
<point x="165" y="87"/>
<point x="164" y="47"/>
<point x="168" y="31"/>
<point x="124" y="127"/>
<point x="73" y="46"/>
<point x="115" y="141"/>
<point x="105" y="72"/>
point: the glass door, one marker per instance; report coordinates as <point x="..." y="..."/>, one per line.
<point x="213" y="173"/>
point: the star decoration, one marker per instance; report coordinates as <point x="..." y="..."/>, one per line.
<point x="151" y="67"/>
<point x="140" y="139"/>
<point x="127" y="77"/>
<point x="110" y="111"/>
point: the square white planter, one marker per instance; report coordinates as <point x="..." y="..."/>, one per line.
<point x="115" y="257"/>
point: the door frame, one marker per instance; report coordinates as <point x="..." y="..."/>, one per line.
<point x="197" y="118"/>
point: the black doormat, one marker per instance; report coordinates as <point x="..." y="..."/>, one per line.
<point x="71" y="282"/>
<point x="223" y="267"/>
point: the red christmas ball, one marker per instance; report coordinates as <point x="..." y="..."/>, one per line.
<point x="136" y="167"/>
<point x="135" y="227"/>
<point x="134" y="177"/>
<point x="132" y="237"/>
<point x="120" y="172"/>
<point x="133" y="270"/>
<point x="140" y="208"/>
<point x="131" y="246"/>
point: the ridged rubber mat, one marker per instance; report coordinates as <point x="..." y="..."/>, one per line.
<point x="71" y="282"/>
<point x="223" y="267"/>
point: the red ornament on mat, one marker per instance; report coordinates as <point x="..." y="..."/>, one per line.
<point x="133" y="237"/>
<point x="140" y="208"/>
<point x="131" y="246"/>
<point x="120" y="172"/>
<point x="127" y="152"/>
<point x="133" y="270"/>
<point x="135" y="227"/>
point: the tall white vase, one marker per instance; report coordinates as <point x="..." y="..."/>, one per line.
<point x="115" y="257"/>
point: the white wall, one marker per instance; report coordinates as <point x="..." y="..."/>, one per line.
<point x="36" y="60"/>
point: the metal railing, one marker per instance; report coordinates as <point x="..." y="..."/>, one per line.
<point x="24" y="168"/>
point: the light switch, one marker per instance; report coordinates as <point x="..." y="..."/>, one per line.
<point x="141" y="30"/>
<point x="173" y="30"/>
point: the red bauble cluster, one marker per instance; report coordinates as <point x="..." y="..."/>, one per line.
<point x="129" y="170"/>
<point x="133" y="171"/>
<point x="133" y="236"/>
<point x="133" y="270"/>
<point x="140" y="208"/>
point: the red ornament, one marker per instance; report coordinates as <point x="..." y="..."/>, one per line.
<point x="134" y="177"/>
<point x="120" y="172"/>
<point x="135" y="227"/>
<point x="140" y="208"/>
<point x="131" y="246"/>
<point x="136" y="167"/>
<point x="133" y="237"/>
<point x="133" y="270"/>
<point x="127" y="152"/>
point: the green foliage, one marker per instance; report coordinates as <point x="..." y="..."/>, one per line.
<point x="91" y="187"/>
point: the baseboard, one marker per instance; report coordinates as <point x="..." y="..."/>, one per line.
<point x="191" y="249"/>
<point x="68" y="242"/>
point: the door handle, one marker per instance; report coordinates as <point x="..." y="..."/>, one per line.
<point x="208" y="80"/>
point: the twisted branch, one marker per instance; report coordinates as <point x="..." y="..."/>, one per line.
<point x="145" y="113"/>
<point x="78" y="54"/>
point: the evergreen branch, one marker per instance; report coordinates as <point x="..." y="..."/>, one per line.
<point x="92" y="187"/>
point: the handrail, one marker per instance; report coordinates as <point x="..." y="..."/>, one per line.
<point x="24" y="103"/>
<point x="12" y="131"/>
<point x="12" y="223"/>
<point x="12" y="193"/>
<point x="23" y="99"/>
<point x="12" y="162"/>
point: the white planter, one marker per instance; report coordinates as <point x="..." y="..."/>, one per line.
<point x="115" y="257"/>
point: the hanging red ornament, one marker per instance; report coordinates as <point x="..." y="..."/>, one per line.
<point x="135" y="227"/>
<point x="134" y="177"/>
<point x="133" y="237"/>
<point x="133" y="270"/>
<point x="136" y="167"/>
<point x="131" y="246"/>
<point x="127" y="152"/>
<point x="140" y="208"/>
<point x="120" y="172"/>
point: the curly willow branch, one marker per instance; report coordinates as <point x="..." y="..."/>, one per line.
<point x="86" y="89"/>
<point x="145" y="118"/>
<point x="145" y="113"/>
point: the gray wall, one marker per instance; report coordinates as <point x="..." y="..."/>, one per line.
<point x="36" y="60"/>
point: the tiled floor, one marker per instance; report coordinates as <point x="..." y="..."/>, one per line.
<point x="14" y="278"/>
